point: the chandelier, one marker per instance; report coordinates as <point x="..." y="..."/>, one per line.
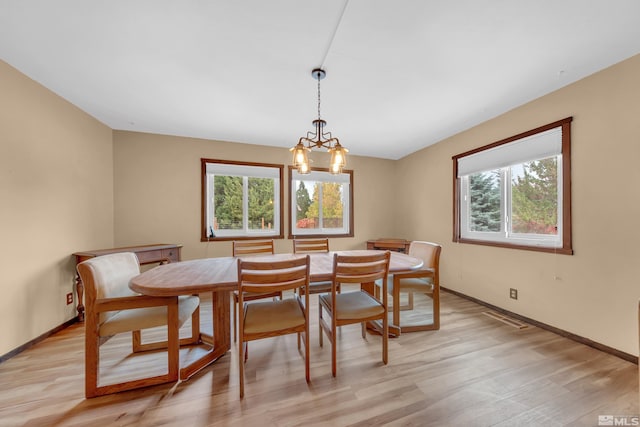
<point x="319" y="139"/>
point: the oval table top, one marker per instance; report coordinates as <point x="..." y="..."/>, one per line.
<point x="221" y="274"/>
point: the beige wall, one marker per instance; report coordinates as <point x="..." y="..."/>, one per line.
<point x="593" y="293"/>
<point x="157" y="191"/>
<point x="56" y="198"/>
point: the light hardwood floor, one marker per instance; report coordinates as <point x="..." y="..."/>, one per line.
<point x="474" y="371"/>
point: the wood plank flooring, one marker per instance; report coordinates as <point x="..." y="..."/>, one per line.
<point x="474" y="371"/>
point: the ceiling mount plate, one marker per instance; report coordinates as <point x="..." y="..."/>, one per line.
<point x="318" y="73"/>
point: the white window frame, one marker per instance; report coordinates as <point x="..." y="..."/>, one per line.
<point x="322" y="175"/>
<point x="553" y="140"/>
<point x="246" y="170"/>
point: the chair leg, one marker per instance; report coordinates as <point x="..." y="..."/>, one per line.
<point x="241" y="361"/>
<point x="136" y="341"/>
<point x="334" y="343"/>
<point x="307" y="368"/>
<point x="385" y="339"/>
<point x="396" y="302"/>
<point x="435" y="325"/>
<point x="320" y="322"/>
<point x="92" y="356"/>
<point x="436" y="306"/>
<point x="410" y="302"/>
<point x="235" y="318"/>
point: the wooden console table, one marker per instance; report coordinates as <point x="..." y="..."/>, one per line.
<point x="399" y="245"/>
<point x="147" y="254"/>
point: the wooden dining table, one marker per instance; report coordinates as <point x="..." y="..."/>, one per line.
<point x="219" y="276"/>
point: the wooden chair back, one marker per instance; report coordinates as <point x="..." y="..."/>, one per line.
<point x="108" y="277"/>
<point x="276" y="276"/>
<point x="429" y="253"/>
<point x="361" y="268"/>
<point x="310" y="245"/>
<point x="252" y="247"/>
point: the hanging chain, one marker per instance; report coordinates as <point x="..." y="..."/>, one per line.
<point x="318" y="96"/>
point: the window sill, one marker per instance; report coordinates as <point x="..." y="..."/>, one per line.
<point x="319" y="235"/>
<point x="561" y="251"/>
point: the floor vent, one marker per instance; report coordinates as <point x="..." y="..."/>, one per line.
<point x="505" y="319"/>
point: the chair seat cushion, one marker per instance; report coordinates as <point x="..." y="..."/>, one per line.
<point x="268" y="316"/>
<point x="354" y="305"/>
<point x="148" y="317"/>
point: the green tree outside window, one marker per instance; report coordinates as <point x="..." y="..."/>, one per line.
<point x="535" y="198"/>
<point x="484" y="191"/>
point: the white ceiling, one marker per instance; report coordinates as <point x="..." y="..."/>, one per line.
<point x="401" y="75"/>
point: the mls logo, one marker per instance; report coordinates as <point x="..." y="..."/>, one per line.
<point x="605" y="420"/>
<point x="621" y="420"/>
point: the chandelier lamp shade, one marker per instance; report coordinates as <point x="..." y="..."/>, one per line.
<point x="319" y="139"/>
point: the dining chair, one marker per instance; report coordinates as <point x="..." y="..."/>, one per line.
<point x="423" y="281"/>
<point x="270" y="318"/>
<point x="358" y="306"/>
<point x="311" y="246"/>
<point x="242" y="248"/>
<point x="112" y="308"/>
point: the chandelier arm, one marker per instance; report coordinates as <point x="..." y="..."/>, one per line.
<point x="327" y="136"/>
<point x="310" y="142"/>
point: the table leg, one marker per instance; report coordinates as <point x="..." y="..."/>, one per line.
<point x="376" y="325"/>
<point x="220" y="302"/>
<point x="221" y="339"/>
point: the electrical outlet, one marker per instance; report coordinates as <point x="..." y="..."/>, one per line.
<point x="513" y="293"/>
<point x="69" y="298"/>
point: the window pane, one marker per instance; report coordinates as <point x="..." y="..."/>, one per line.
<point x="325" y="209"/>
<point x="261" y="195"/>
<point x="332" y="208"/>
<point x="484" y="203"/>
<point x="227" y="202"/>
<point x="305" y="217"/>
<point x="534" y="197"/>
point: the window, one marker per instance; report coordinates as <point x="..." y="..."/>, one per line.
<point x="517" y="192"/>
<point x="241" y="200"/>
<point x="321" y="204"/>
